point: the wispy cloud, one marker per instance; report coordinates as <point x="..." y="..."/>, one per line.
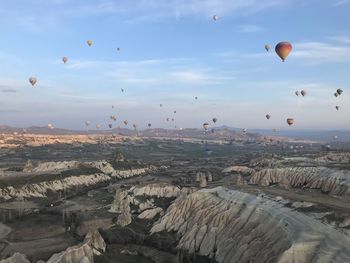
<point x="9" y="90"/>
<point x="341" y="2"/>
<point x="249" y="28"/>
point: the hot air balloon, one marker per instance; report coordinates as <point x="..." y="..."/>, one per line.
<point x="206" y="126"/>
<point x="160" y="105"/>
<point x="110" y="126"/>
<point x="339" y="91"/>
<point x="50" y="126"/>
<point x="98" y="126"/>
<point x="268" y="116"/>
<point x="244" y="130"/>
<point x="215" y="17"/>
<point x="215" y="120"/>
<point x="122" y="90"/>
<point x="337" y="107"/>
<point x="135" y="127"/>
<point x="303" y="93"/>
<point x="336" y="94"/>
<point x="114" y="118"/>
<point x="267" y="47"/>
<point x="112" y="106"/>
<point x="126" y="122"/>
<point x="283" y="49"/>
<point x="64" y="59"/>
<point x="172" y="119"/>
<point x="149" y="125"/>
<point x="290" y="121"/>
<point x="174" y="111"/>
<point x="297" y="93"/>
<point x="118" y="48"/>
<point x="196" y="98"/>
<point x="87" y="123"/>
<point x="335" y="137"/>
<point x="33" y="80"/>
<point x="167" y="119"/>
<point x="89" y="42"/>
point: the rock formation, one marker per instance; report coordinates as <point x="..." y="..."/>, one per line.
<point x="95" y="241"/>
<point x="77" y="254"/>
<point x="238" y="169"/>
<point x="121" y="206"/>
<point x="150" y="213"/>
<point x="232" y="226"/>
<point x="330" y="181"/>
<point x="16" y="258"/>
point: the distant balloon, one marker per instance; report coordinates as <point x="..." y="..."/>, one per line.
<point x="297" y="93"/>
<point x="126" y="122"/>
<point x="87" y="123"/>
<point x="206" y="126"/>
<point x="267" y="47"/>
<point x="112" y="106"/>
<point x="122" y="90"/>
<point x="167" y="119"/>
<point x="303" y="93"/>
<point x="283" y="49"/>
<point x="110" y="126"/>
<point x="89" y="42"/>
<point x="135" y="127"/>
<point x="337" y="107"/>
<point x="268" y="116"/>
<point x="335" y="137"/>
<point x="33" y="80"/>
<point x="290" y="121"/>
<point x="118" y="48"/>
<point x="339" y="91"/>
<point x="160" y="105"/>
<point x="114" y="118"/>
<point x="174" y="111"/>
<point x="215" y="17"/>
<point x="215" y="120"/>
<point x="196" y="98"/>
<point x="149" y="125"/>
<point x="172" y="119"/>
<point x="336" y="94"/>
<point x="98" y="126"/>
<point x="50" y="126"/>
<point x="244" y="130"/>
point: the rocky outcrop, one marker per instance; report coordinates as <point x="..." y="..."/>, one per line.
<point x="95" y="241"/>
<point x="121" y="206"/>
<point x="238" y="169"/>
<point x="160" y="190"/>
<point x="232" y="226"/>
<point x="78" y="254"/>
<point x="150" y="213"/>
<point x="41" y="189"/>
<point x="336" y="157"/>
<point x="50" y="166"/>
<point x="330" y="181"/>
<point x="16" y="258"/>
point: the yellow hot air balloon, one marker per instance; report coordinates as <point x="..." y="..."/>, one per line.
<point x="283" y="49"/>
<point x="33" y="80"/>
<point x="89" y="42"/>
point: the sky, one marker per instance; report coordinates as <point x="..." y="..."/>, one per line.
<point x="170" y="52"/>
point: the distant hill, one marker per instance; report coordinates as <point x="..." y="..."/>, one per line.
<point x="221" y="132"/>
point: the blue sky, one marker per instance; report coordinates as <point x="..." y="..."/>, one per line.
<point x="172" y="51"/>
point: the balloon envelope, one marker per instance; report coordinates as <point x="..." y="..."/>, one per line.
<point x="33" y="80"/>
<point x="283" y="49"/>
<point x="290" y="121"/>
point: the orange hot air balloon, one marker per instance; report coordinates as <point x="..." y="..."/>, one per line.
<point x="290" y="121"/>
<point x="283" y="49"/>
